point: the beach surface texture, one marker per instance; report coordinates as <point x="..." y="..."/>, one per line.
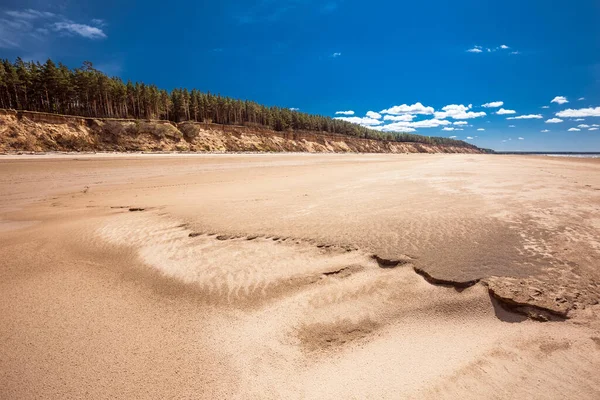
<point x="299" y="276"/>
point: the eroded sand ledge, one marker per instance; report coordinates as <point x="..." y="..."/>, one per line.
<point x="299" y="276"/>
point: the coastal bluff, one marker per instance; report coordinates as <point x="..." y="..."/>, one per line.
<point x="27" y="131"/>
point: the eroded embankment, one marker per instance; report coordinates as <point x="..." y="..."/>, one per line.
<point x="336" y="294"/>
<point x="40" y="132"/>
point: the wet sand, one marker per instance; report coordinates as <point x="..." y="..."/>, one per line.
<point x="299" y="276"/>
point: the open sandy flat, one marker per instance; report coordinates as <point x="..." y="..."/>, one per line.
<point x="299" y="276"/>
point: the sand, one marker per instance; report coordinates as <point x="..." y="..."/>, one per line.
<point x="299" y="276"/>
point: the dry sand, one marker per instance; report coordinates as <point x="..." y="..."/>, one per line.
<point x="294" y="276"/>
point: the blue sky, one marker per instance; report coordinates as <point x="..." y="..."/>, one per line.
<point x="407" y="62"/>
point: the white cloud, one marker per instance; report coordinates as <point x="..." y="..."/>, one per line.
<point x="469" y="138"/>
<point x="403" y="125"/>
<point x="452" y="137"/>
<point x="595" y="125"/>
<point x="458" y="111"/>
<point x="554" y="121"/>
<point x="480" y="129"/>
<point x="349" y="112"/>
<point x="336" y="55"/>
<point x="515" y="52"/>
<point x="86" y="31"/>
<point x="520" y="138"/>
<point x="545" y="106"/>
<point x="583" y="126"/>
<point x="574" y="130"/>
<point x="560" y="100"/>
<point x="461" y="123"/>
<point x="545" y="131"/>
<point x="373" y="114"/>
<point x="582" y="112"/>
<point x="512" y="126"/>
<point x="593" y="129"/>
<point x="502" y="111"/>
<point x="579" y="119"/>
<point x="581" y="99"/>
<point x="30" y="29"/>
<point x="397" y="127"/>
<point x="30" y="14"/>
<point x="416" y="108"/>
<point x="475" y="50"/>
<point x="493" y="104"/>
<point x="366" y="121"/>
<point x="404" y="117"/>
<point x="459" y="129"/>
<point x="504" y="47"/>
<point x="447" y="129"/>
<point x="294" y="109"/>
<point x="504" y="141"/>
<point x="428" y="123"/>
<point x="529" y="116"/>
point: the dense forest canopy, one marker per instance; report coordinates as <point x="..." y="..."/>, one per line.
<point x="88" y="92"/>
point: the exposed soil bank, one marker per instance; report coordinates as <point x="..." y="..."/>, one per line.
<point x="38" y="132"/>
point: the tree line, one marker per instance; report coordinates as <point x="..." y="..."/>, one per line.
<point x="85" y="91"/>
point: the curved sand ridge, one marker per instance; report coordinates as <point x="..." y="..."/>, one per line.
<point x="317" y="310"/>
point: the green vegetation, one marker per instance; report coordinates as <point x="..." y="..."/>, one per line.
<point x="88" y="92"/>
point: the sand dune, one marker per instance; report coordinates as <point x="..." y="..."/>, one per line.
<point x="298" y="276"/>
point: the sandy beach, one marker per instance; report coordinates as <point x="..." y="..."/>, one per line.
<point x="299" y="276"/>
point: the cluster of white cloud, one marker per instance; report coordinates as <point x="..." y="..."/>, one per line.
<point x="86" y="31"/>
<point x="493" y="104"/>
<point x="545" y="130"/>
<point x="593" y="127"/>
<point x="19" y="28"/>
<point x="416" y="108"/>
<point x="364" y="121"/>
<point x="458" y="111"/>
<point x="402" y="117"/>
<point x="559" y="100"/>
<point x="502" y="111"/>
<point x="528" y="116"/>
<point x="582" y="112"/>
<point x="396" y="118"/>
<point x="554" y="121"/>
<point x="481" y="49"/>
